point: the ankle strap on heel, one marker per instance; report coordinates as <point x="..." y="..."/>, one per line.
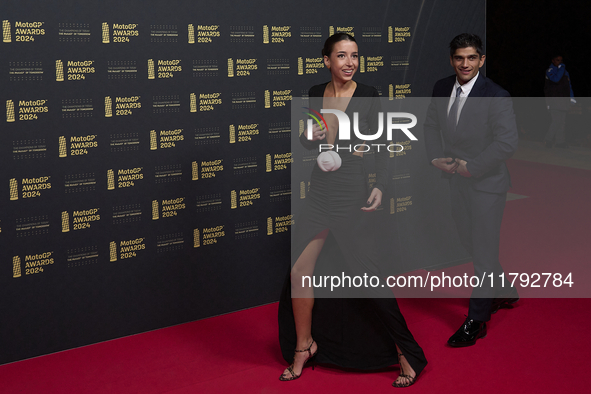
<point x="307" y="350"/>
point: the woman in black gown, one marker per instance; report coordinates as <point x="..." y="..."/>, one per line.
<point x="333" y="220"/>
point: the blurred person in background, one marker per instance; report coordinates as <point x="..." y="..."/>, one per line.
<point x="559" y="97"/>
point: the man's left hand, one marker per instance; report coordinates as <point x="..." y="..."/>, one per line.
<point x="462" y="169"/>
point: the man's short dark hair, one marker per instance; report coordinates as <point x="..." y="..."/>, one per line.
<point x="466" y="40"/>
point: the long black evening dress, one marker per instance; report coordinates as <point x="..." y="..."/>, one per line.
<point x="350" y="332"/>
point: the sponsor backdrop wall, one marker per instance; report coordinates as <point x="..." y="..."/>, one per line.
<point x="145" y="151"/>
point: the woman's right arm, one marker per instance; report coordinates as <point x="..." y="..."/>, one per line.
<point x="318" y="135"/>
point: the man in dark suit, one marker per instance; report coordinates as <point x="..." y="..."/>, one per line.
<point x="469" y="132"/>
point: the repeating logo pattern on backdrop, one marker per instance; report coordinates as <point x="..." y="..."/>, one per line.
<point x="135" y="102"/>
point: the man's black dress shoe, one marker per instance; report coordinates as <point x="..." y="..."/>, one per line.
<point x="467" y="335"/>
<point x="499" y="303"/>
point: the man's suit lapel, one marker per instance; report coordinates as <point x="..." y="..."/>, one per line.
<point x="479" y="87"/>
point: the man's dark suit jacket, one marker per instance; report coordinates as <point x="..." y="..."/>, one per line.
<point x="485" y="136"/>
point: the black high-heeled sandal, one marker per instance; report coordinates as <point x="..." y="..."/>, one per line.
<point x="411" y="379"/>
<point x="290" y="368"/>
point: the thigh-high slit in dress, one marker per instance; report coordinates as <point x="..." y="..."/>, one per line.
<point x="351" y="332"/>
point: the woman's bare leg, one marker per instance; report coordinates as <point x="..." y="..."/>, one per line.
<point x="302" y="301"/>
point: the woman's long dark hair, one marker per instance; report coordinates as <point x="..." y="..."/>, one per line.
<point x="330" y="41"/>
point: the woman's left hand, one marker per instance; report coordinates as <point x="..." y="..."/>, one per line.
<point x="375" y="199"/>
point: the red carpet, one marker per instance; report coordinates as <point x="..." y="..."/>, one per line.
<point x="540" y="346"/>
